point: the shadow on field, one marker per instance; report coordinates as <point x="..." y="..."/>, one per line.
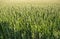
<point x="5" y="31"/>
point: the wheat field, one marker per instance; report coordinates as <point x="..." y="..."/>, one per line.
<point x="29" y="19"/>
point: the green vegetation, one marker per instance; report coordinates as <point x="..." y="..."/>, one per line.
<point x="30" y="21"/>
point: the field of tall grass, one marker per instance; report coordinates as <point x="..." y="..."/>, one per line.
<point x="30" y="21"/>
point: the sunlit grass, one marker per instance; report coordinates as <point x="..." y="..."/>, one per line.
<point x="29" y="19"/>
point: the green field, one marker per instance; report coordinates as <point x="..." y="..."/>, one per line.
<point x="29" y="20"/>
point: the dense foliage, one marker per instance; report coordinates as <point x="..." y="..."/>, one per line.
<point x="30" y="22"/>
